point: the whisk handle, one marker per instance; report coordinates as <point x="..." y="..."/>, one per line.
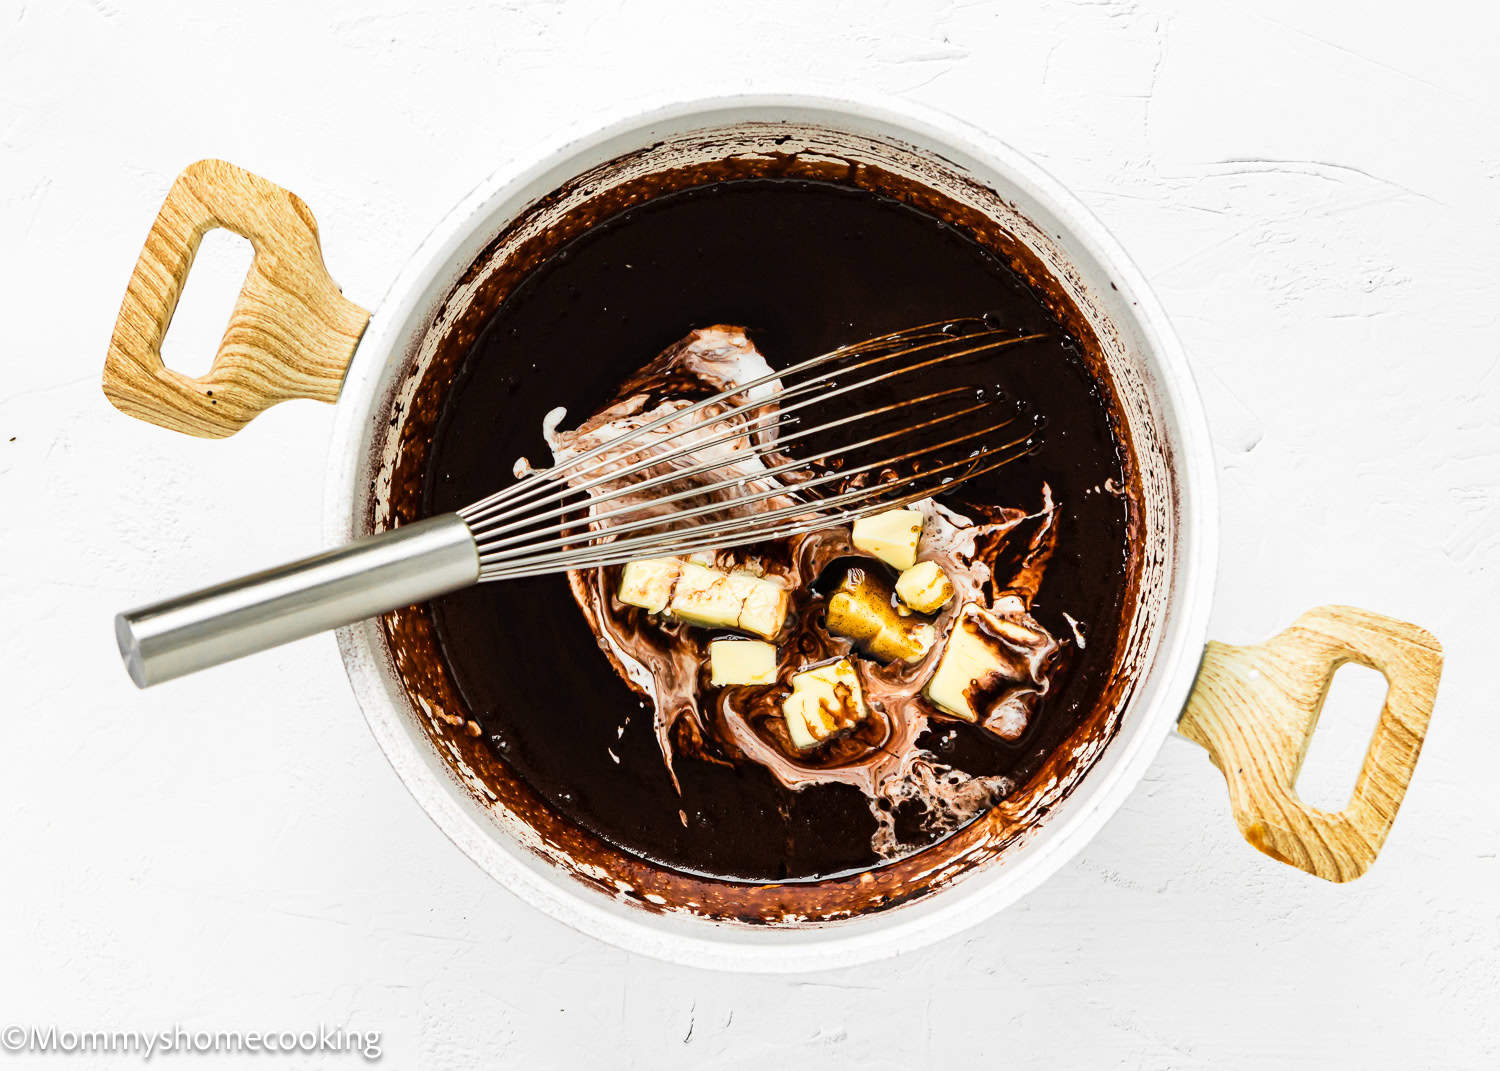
<point x="381" y="572"/>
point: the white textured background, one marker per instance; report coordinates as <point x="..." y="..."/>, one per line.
<point x="1314" y="191"/>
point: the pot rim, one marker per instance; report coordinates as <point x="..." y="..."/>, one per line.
<point x="696" y="942"/>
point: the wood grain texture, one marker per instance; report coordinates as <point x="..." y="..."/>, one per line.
<point x="1255" y="709"/>
<point x="291" y="334"/>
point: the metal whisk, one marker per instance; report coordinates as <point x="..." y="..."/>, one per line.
<point x="735" y="468"/>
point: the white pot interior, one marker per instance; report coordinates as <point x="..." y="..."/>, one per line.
<point x="432" y="312"/>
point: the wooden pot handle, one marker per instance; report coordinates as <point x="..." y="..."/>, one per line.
<point x="1255" y="709"/>
<point x="291" y="335"/>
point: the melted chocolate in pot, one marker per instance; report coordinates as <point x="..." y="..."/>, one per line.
<point x="805" y="267"/>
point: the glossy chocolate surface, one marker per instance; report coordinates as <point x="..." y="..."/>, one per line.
<point x="804" y="266"/>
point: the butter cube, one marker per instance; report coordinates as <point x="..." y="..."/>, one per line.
<point x="924" y="587"/>
<point x="764" y="609"/>
<point x="703" y="596"/>
<point x="973" y="669"/>
<point x="741" y="662"/>
<point x="648" y="584"/>
<point x="891" y="536"/>
<point x="860" y="609"/>
<point x="714" y="599"/>
<point x="826" y="700"/>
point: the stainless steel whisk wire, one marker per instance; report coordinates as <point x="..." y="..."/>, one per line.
<point x="507" y="535"/>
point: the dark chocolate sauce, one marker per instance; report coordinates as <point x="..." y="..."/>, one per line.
<point x="806" y="267"/>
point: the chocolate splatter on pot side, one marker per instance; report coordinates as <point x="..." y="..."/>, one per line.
<point x="806" y="266"/>
<point x="403" y="469"/>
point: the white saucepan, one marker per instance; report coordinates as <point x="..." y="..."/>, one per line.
<point x="1253" y="708"/>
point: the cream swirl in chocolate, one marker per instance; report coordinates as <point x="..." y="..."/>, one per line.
<point x="993" y="557"/>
